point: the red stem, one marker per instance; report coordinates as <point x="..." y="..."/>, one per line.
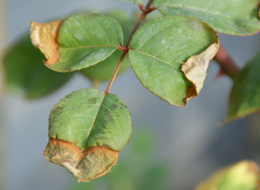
<point x="227" y="64"/>
<point x="145" y="10"/>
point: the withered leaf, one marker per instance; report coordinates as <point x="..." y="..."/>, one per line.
<point x="195" y="69"/>
<point x="243" y="175"/>
<point x="87" y="129"/>
<point x="44" y="36"/>
<point x="84" y="165"/>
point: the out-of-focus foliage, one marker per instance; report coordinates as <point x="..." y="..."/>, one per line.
<point x="25" y="73"/>
<point x="243" y="175"/>
<point x="245" y="93"/>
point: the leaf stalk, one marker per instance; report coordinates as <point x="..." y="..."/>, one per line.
<point x="145" y="10"/>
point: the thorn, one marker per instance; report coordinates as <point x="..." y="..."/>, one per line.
<point x="115" y="79"/>
<point x="122" y="48"/>
<point x="141" y="7"/>
<point x="220" y="74"/>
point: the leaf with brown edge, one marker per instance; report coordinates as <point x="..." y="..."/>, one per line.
<point x="195" y="69"/>
<point x="160" y="47"/>
<point x="79" y="41"/>
<point x="87" y="129"/>
<point x="84" y="165"/>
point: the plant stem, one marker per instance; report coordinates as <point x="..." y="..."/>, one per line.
<point x="147" y="9"/>
<point x="227" y="64"/>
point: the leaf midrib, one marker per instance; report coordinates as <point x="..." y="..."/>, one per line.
<point x="89" y="46"/>
<point x="94" y="120"/>
<point x="197" y="9"/>
<point x="156" y="58"/>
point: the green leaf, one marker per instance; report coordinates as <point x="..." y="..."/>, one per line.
<point x="104" y="69"/>
<point x="240" y="176"/>
<point x="160" y="47"/>
<point x="245" y="93"/>
<point x="90" y="125"/>
<point x="24" y="72"/>
<point x="82" y="40"/>
<point x="138" y="2"/>
<point x="224" y="16"/>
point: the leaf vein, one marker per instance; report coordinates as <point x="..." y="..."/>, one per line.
<point x="154" y="57"/>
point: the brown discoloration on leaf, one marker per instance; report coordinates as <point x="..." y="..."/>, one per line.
<point x="44" y="36"/>
<point x="195" y="69"/>
<point x="86" y="165"/>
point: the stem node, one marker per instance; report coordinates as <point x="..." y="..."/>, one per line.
<point x="145" y="10"/>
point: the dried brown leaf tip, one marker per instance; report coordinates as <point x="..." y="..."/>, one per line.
<point x="195" y="69"/>
<point x="86" y="165"/>
<point x="44" y="36"/>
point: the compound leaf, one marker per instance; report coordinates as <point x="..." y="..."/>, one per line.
<point x="87" y="129"/>
<point x="225" y="16"/>
<point x="25" y="74"/>
<point x="77" y="42"/>
<point x="159" y="49"/>
<point x="245" y="93"/>
<point x="240" y="176"/>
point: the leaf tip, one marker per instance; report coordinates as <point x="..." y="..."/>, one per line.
<point x="195" y="69"/>
<point x="44" y="36"/>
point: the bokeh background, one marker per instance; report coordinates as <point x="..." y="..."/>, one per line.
<point x="171" y="148"/>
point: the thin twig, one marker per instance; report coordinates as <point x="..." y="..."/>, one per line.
<point x="147" y="9"/>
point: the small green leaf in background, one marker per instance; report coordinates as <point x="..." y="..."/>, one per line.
<point x="82" y="40"/>
<point x="224" y="16"/>
<point x="90" y="121"/>
<point x="104" y="69"/>
<point x="243" y="175"/>
<point x="158" y="50"/>
<point x="25" y="74"/>
<point x="138" y="2"/>
<point x="245" y="93"/>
